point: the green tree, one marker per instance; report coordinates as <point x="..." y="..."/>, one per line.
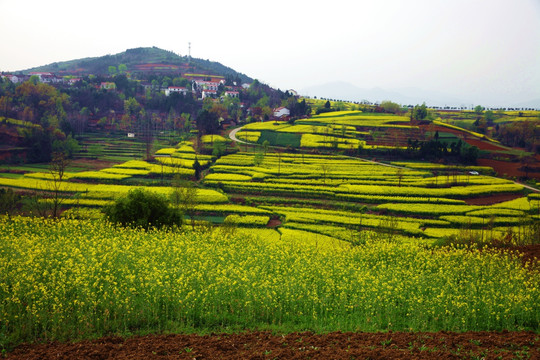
<point x="207" y="122"/>
<point x="218" y="149"/>
<point x="122" y="68"/>
<point x="34" y="79"/>
<point x="198" y="168"/>
<point x="489" y="116"/>
<point x="479" y="109"/>
<point x="69" y="146"/>
<point x="143" y="208"/>
<point x="266" y="145"/>
<point x="112" y="70"/>
<point x="132" y="113"/>
<point x="420" y="112"/>
<point x="390" y="107"/>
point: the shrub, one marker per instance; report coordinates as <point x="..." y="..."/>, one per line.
<point x="143" y="208"/>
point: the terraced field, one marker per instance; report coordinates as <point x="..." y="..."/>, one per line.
<point x="327" y="195"/>
<point x="286" y="241"/>
<point x="321" y="190"/>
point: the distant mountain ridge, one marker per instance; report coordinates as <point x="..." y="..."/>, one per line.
<point x="340" y="90"/>
<point x="148" y="59"/>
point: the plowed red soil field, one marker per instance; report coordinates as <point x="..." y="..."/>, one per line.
<point x="502" y="168"/>
<point x="491" y="199"/>
<point x="506" y="168"/>
<point x="264" y="345"/>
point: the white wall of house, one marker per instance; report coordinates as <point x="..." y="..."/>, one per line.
<point x="282" y="111"/>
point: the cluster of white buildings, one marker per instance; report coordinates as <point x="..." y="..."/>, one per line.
<point x="204" y="88"/>
<point x="44" y="77"/>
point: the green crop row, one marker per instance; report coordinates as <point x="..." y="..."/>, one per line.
<point x="268" y="125"/>
<point x="105" y="191"/>
<point x="209" y="139"/>
<point x="166" y="151"/>
<point x="127" y="171"/>
<point x="457" y="179"/>
<point x="229" y="209"/>
<point x="247" y="220"/>
<point x="98" y="175"/>
<point x="217" y="177"/>
<point x="314" y="140"/>
<point x="468" y="221"/>
<point x="410" y="226"/>
<point x="376" y="199"/>
<point x="134" y="164"/>
<point x="251" y="136"/>
<point x="455" y="191"/>
<point x="428" y="208"/>
<point x="432" y="166"/>
<point x="490" y="212"/>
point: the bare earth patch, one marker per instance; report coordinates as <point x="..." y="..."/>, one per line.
<point x="492" y="199"/>
<point x="264" y="345"/>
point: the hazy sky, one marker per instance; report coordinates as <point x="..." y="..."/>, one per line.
<point x="487" y="51"/>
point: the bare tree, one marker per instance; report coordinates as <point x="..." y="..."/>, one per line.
<point x="325" y="169"/>
<point x="57" y="170"/>
<point x="399" y="174"/>
<point x="8" y="201"/>
<point x="184" y="197"/>
<point x="48" y="200"/>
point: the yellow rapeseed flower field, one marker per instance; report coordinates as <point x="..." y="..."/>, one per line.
<point x="71" y="279"/>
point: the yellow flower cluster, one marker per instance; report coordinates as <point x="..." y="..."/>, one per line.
<point x="251" y="136"/>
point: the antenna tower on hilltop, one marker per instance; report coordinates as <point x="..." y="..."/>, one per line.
<point x="189" y="51"/>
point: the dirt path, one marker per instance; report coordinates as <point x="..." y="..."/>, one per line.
<point x="232" y="136"/>
<point x="264" y="345"/>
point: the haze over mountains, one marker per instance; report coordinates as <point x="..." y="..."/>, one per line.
<point x="340" y="90"/>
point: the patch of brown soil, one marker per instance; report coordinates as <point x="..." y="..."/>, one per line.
<point x="531" y="254"/>
<point x="92" y="164"/>
<point x="264" y="345"/>
<point x="485" y="145"/>
<point x="492" y="199"/>
<point x="273" y="223"/>
<point x="506" y="168"/>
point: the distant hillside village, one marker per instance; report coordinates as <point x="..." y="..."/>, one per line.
<point x="55" y="109"/>
<point x="146" y="92"/>
<point x="200" y="86"/>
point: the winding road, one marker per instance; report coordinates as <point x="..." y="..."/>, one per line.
<point x="232" y="136"/>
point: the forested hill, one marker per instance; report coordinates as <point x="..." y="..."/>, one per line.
<point x="146" y="60"/>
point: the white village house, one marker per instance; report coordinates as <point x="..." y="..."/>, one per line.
<point x="208" y="93"/>
<point x="281" y="112"/>
<point x="232" y="93"/>
<point x="175" y="89"/>
<point x="13" y="78"/>
<point x="206" y="85"/>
